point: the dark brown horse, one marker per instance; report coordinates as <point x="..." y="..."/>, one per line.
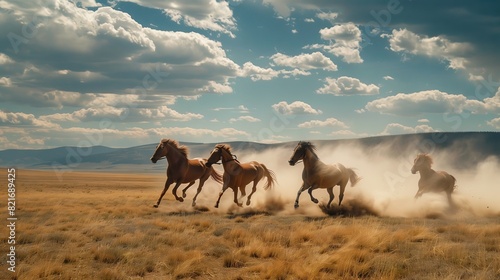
<point x="430" y="180"/>
<point x="316" y="174"/>
<point x="239" y="175"/>
<point x="182" y="170"/>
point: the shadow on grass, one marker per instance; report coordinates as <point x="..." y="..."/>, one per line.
<point x="350" y="208"/>
<point x="247" y="213"/>
<point x="270" y="206"/>
<point x="196" y="211"/>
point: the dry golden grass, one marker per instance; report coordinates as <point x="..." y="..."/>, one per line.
<point x="103" y="226"/>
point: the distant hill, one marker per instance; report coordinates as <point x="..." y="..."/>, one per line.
<point x="469" y="148"/>
<point x="26" y="157"/>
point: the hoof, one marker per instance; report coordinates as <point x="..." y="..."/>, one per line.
<point x="155" y="206"/>
<point x="180" y="199"/>
<point x="248" y="202"/>
<point x="184" y="194"/>
<point x="315" y="201"/>
<point x="296" y="205"/>
<point x="240" y="204"/>
<point x="216" y="206"/>
<point x="193" y="204"/>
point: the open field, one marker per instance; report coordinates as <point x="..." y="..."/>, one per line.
<point x="103" y="226"/>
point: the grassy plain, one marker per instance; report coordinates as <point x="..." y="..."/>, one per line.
<point x="103" y="226"/>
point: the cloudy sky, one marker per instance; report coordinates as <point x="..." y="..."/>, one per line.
<point x="124" y="73"/>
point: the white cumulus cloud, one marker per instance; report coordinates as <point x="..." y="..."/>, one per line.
<point x="244" y="118"/>
<point x="432" y="101"/>
<point x="347" y="86"/>
<point x="454" y="53"/>
<point x="123" y="114"/>
<point x="103" y="50"/>
<point x="495" y="123"/>
<point x="258" y="73"/>
<point x="295" y="108"/>
<point x="5" y="59"/>
<point x="330" y="122"/>
<point x="397" y="128"/>
<point x="20" y="119"/>
<point x="6" y="82"/>
<point x="204" y="14"/>
<point x="327" y="16"/>
<point x="305" y="61"/>
<point x="345" y="40"/>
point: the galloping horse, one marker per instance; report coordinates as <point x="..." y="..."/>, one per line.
<point x="430" y="180"/>
<point x="317" y="174"/>
<point x="182" y="170"/>
<point x="238" y="175"/>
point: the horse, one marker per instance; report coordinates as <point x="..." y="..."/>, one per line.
<point x="430" y="180"/>
<point x="317" y="174"/>
<point x="239" y="175"/>
<point x="182" y="170"/>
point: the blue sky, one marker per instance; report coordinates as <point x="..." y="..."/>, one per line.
<point x="125" y="73"/>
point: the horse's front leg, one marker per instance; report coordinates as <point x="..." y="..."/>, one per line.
<point x="235" y="190"/>
<point x="187" y="187"/>
<point x="313" y="199"/>
<point x="302" y="188"/>
<point x="243" y="192"/>
<point x="224" y="188"/>
<point x="174" y="191"/>
<point x="419" y="193"/>
<point x="167" y="185"/>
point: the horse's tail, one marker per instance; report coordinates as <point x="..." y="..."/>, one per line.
<point x="271" y="177"/>
<point x="216" y="176"/>
<point x="353" y="177"/>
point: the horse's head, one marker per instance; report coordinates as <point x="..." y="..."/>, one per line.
<point x="221" y="151"/>
<point x="215" y="156"/>
<point x="422" y="161"/>
<point x="299" y="152"/>
<point x="161" y="151"/>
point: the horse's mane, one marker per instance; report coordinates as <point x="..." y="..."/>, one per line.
<point x="309" y="146"/>
<point x="426" y="158"/>
<point x="181" y="148"/>
<point x="226" y="147"/>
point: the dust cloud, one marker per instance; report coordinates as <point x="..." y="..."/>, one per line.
<point x="386" y="189"/>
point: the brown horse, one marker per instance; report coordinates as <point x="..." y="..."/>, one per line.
<point x="317" y="174"/>
<point x="239" y="175"/>
<point x="430" y="180"/>
<point x="182" y="170"/>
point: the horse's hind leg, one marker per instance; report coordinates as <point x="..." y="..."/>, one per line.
<point x="341" y="194"/>
<point x="332" y="196"/>
<point x="313" y="199"/>
<point x="167" y="185"/>
<point x="174" y="192"/>
<point x="186" y="188"/>
<point x="254" y="188"/>
<point x="200" y="186"/>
